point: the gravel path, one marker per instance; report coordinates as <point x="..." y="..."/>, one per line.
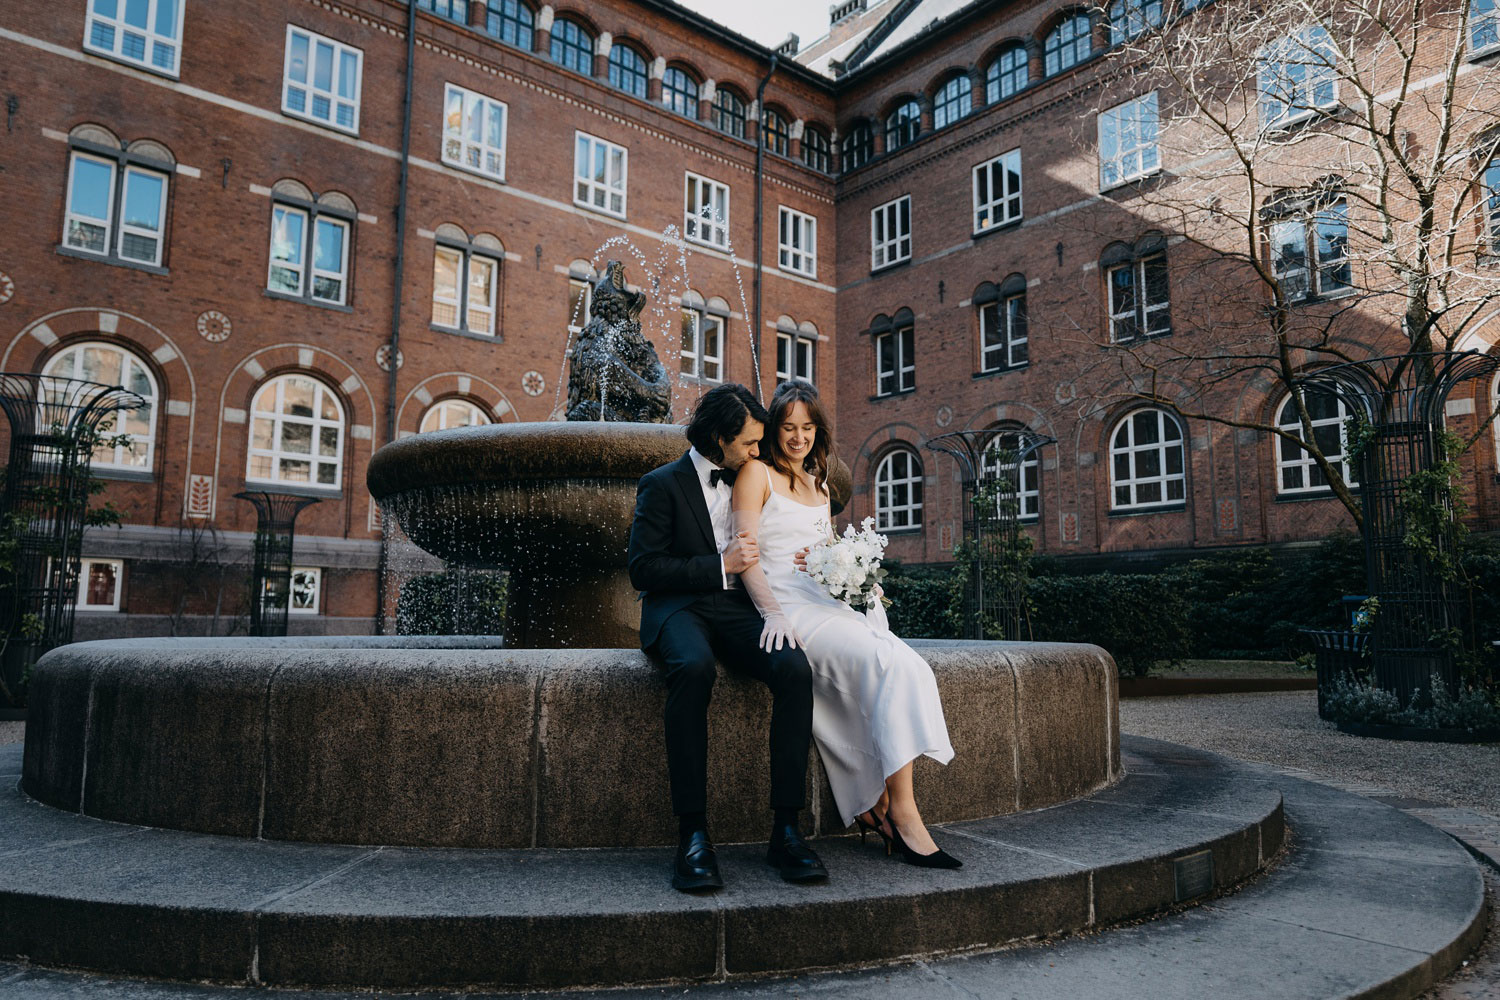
<point x="1284" y="729"/>
<point x="12" y="732"/>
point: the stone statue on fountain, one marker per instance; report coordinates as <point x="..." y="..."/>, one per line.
<point x="612" y="367"/>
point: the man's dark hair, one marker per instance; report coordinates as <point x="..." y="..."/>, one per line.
<point x="720" y="415"/>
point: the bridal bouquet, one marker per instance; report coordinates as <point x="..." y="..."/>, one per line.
<point x="849" y="567"/>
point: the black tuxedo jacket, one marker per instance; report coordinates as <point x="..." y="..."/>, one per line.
<point x="673" y="557"/>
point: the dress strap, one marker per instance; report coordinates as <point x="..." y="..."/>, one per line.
<point x="770" y="483"/>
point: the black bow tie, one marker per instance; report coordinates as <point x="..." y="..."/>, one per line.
<point x="717" y="475"/>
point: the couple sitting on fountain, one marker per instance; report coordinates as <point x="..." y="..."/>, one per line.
<point x="716" y="548"/>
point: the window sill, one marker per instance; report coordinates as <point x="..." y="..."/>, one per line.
<point x="133" y="265"/>
<point x="709" y="244"/>
<point x="684" y="378"/>
<point x="1305" y="496"/>
<point x="595" y="210"/>
<point x="800" y="274"/>
<point x="1312" y="300"/>
<point x="295" y="489"/>
<point x="330" y="126"/>
<point x="489" y="338"/>
<point x="124" y="475"/>
<point x="914" y="530"/>
<point x="1301" y="119"/>
<point x="1166" y="508"/>
<point x="1136" y="341"/>
<point x="1128" y="181"/>
<point x="144" y="67"/>
<point x="464" y="169"/>
<point x="100" y="610"/>
<point x="1482" y="54"/>
<point x="877" y="397"/>
<point x="306" y="301"/>
<point x="998" y="227"/>
<point x="1006" y="370"/>
<point x="883" y="268"/>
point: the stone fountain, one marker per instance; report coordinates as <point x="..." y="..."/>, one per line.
<point x="549" y="738"/>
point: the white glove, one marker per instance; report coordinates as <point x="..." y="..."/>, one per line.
<point x="777" y="630"/>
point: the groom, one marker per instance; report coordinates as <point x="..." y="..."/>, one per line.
<point x="684" y="558"/>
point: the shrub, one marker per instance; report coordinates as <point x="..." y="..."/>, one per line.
<point x="1141" y="619"/>
<point x="1471" y="708"/>
<point x="922" y="604"/>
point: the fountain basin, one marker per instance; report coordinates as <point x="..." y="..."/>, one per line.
<point x="550" y="502"/>
<point x="455" y="742"/>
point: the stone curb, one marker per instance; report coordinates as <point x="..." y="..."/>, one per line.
<point x="91" y="894"/>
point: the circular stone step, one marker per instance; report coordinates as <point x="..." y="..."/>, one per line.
<point x="457" y="742"/>
<point x="105" y="896"/>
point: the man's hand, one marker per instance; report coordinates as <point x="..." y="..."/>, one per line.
<point x="741" y="554"/>
<point x="800" y="559"/>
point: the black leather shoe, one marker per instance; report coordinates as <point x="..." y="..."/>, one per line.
<point x="790" y="855"/>
<point x="697" y="866"/>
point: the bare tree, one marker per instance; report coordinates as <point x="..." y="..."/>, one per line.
<point x="201" y="567"/>
<point x="1319" y="170"/>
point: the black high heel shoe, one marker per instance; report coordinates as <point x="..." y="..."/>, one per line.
<point x="867" y="827"/>
<point x="937" y="859"/>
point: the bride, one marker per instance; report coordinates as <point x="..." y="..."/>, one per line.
<point x="875" y="700"/>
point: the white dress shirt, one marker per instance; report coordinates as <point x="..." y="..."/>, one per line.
<point x="716" y="498"/>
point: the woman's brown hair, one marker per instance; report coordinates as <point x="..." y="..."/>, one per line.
<point x="787" y="395"/>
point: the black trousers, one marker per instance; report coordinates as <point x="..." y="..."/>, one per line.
<point x="726" y="627"/>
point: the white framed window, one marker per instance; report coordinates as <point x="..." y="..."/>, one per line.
<point x="446" y="413"/>
<point x="890" y="233"/>
<point x="796" y="356"/>
<point x="997" y="191"/>
<point x="706" y="211"/>
<point x="464" y="285"/>
<point x="1296" y="77"/>
<point x="111" y="364"/>
<point x="895" y="361"/>
<point x="702" y="344"/>
<point x="1484" y="27"/>
<point x="1146" y="461"/>
<point x="1129" y="18"/>
<point x="474" y="131"/>
<point x="797" y="242"/>
<point x="147" y="33"/>
<point x="1127" y="141"/>
<point x="1002" y="459"/>
<point x="599" y="169"/>
<point x="898" y="491"/>
<point x="1296" y="472"/>
<point x="306" y="591"/>
<point x="1139" y="302"/>
<point x="316" y="269"/>
<point x="1310" y="253"/>
<point x="99" y="584"/>
<point x="296" y="434"/>
<point x="1003" y="340"/>
<point x="322" y="80"/>
<point x="116" y="210"/>
<point x="580" y="297"/>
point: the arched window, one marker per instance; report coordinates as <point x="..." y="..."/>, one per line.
<point x="817" y="150"/>
<point x="1068" y="44"/>
<point x="112" y="365"/>
<point x="1128" y="18"/>
<point x="953" y="101"/>
<point x="572" y="46"/>
<point x="729" y="113"/>
<point x="627" y="70"/>
<point x="1146" y="461"/>
<point x="774" y="132"/>
<point x="858" y="146"/>
<point x="898" y="491"/>
<point x="511" y="21"/>
<point x="1007" y="75"/>
<point x="902" y="125"/>
<point x="296" y="434"/>
<point x="1002" y="460"/>
<point x="1296" y="472"/>
<point x="448" y="413"/>
<point x="680" y="92"/>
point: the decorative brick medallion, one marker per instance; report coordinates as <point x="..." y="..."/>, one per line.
<point x="214" y="326"/>
<point x="7" y="288"/>
<point x="383" y="358"/>
<point x="200" y="499"/>
<point x="533" y="383"/>
<point x="944" y="417"/>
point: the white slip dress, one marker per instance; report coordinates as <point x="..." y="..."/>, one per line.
<point x="875" y="700"/>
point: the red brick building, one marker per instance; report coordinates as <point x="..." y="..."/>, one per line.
<point x="236" y="216"/>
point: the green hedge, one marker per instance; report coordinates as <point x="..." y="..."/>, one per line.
<point x="455" y="603"/>
<point x="1141" y="619"/>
